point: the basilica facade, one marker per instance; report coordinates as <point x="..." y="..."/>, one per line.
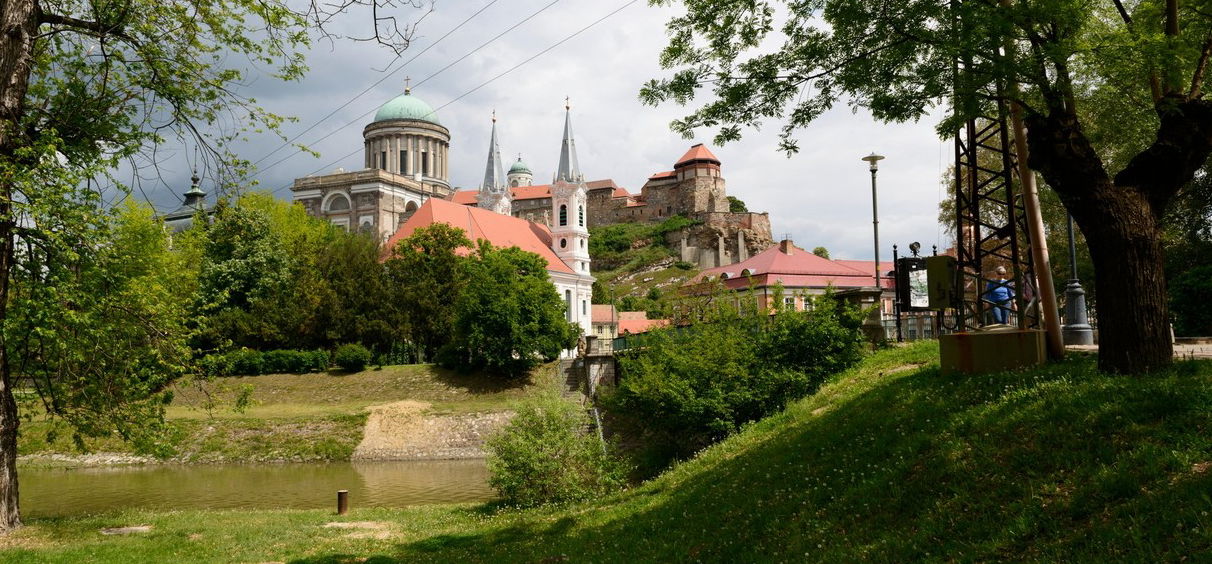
<point x="405" y="186"/>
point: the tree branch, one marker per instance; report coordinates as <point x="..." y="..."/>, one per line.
<point x="1197" y="79"/>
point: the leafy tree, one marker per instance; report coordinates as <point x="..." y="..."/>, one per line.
<point x="821" y="252"/>
<point x="545" y="456"/>
<point x="735" y="205"/>
<point x="96" y="325"/>
<point x="245" y="270"/>
<point x="427" y="276"/>
<point x="692" y="386"/>
<point x="88" y="84"/>
<point x="1116" y="130"/>
<point x="508" y="318"/>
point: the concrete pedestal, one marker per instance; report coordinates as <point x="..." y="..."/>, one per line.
<point x="991" y="351"/>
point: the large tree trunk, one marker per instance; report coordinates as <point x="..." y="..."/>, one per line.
<point x="1133" y="311"/>
<point x="18" y="25"/>
<point x="1121" y="219"/>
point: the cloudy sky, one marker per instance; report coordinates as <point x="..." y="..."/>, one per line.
<point x="821" y="196"/>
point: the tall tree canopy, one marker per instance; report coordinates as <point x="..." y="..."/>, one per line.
<point x="86" y="84"/>
<point x="1112" y="94"/>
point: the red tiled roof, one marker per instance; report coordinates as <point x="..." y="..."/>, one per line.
<point x="697" y="152"/>
<point x="500" y="230"/>
<point x="603" y="313"/>
<point x="633" y="315"/>
<point x="662" y="175"/>
<point x="637" y="326"/>
<point x="800" y="268"/>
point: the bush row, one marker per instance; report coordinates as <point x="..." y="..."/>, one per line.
<point x="247" y="362"/>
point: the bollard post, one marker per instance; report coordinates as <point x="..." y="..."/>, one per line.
<point x="342" y="502"/>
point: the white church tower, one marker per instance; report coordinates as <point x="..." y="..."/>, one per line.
<point x="569" y="231"/>
<point x="494" y="192"/>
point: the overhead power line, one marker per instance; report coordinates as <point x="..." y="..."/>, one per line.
<point x="479" y="86"/>
<point x="372" y="86"/>
<point x="423" y="81"/>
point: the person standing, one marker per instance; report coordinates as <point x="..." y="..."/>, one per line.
<point x="1000" y="292"/>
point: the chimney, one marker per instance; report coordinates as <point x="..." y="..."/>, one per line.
<point x="786" y="246"/>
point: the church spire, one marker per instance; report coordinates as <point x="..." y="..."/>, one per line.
<point x="569" y="170"/>
<point x="494" y="191"/>
<point x="494" y="170"/>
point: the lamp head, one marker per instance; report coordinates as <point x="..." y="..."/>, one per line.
<point x="873" y="159"/>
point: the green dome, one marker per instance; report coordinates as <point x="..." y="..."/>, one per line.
<point x="519" y="167"/>
<point x="407" y="106"/>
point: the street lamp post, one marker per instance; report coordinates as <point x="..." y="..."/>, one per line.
<point x="873" y="159"/>
<point x="1077" y="330"/>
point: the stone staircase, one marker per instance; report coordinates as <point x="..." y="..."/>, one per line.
<point x="571" y="375"/>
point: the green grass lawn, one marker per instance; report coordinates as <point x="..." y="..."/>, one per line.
<point x="299" y="417"/>
<point x="890" y="462"/>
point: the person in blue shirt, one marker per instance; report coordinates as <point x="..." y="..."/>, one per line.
<point x="1000" y="293"/>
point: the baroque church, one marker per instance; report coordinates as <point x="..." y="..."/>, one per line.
<point x="405" y="186"/>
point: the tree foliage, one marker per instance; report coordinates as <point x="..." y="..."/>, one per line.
<point x="691" y="386"/>
<point x="508" y="317"/>
<point x="97" y="327"/>
<point x="1111" y="95"/>
<point x="545" y="456"/>
<point x="426" y="275"/>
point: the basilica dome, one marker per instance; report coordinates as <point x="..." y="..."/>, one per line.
<point x="407" y="106"/>
<point x="519" y="167"/>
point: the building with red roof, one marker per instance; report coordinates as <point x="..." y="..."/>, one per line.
<point x="800" y="275"/>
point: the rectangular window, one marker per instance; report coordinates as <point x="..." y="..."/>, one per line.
<point x="425" y="163"/>
<point x="790" y="303"/>
<point x="584" y="307"/>
<point x="383" y="160"/>
<point x="404" y="162"/>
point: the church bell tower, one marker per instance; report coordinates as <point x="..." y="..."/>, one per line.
<point x="569" y="195"/>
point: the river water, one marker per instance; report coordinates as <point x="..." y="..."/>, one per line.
<point x="59" y="492"/>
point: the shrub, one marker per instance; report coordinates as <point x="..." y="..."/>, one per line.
<point x="246" y="362"/>
<point x="545" y="456"/>
<point x="689" y="387"/>
<point x="352" y="357"/>
<point x="684" y="265"/>
<point x="294" y="362"/>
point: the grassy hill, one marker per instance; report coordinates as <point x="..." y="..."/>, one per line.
<point x="635" y="267"/>
<point x="890" y="462"/>
<point x="296" y="417"/>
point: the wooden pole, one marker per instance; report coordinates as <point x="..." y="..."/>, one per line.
<point x="342" y="502"/>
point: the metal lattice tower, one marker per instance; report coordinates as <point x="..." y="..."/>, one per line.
<point x="991" y="223"/>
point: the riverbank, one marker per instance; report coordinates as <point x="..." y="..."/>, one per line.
<point x="890" y="462"/>
<point x="310" y="418"/>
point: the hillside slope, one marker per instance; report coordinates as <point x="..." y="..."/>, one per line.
<point x="895" y="463"/>
<point x="890" y="462"/>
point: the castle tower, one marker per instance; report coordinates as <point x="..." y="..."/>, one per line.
<point x="520" y="175"/>
<point x="700" y="183"/>
<point x="494" y="193"/>
<point x="569" y="195"/>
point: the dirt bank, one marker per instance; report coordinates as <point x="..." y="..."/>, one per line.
<point x="403" y="431"/>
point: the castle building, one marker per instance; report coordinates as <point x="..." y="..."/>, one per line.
<point x="405" y="155"/>
<point x="694" y="189"/>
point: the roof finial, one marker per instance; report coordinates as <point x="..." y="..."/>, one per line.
<point x="408" y="85"/>
<point x="494" y="115"/>
<point x="567" y="104"/>
<point x="194" y="179"/>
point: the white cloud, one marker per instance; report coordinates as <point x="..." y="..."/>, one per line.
<point x="820" y="196"/>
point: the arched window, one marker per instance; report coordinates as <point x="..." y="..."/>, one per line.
<point x="568" y="305"/>
<point x="338" y="203"/>
<point x="563" y="214"/>
<point x="581" y="216"/>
